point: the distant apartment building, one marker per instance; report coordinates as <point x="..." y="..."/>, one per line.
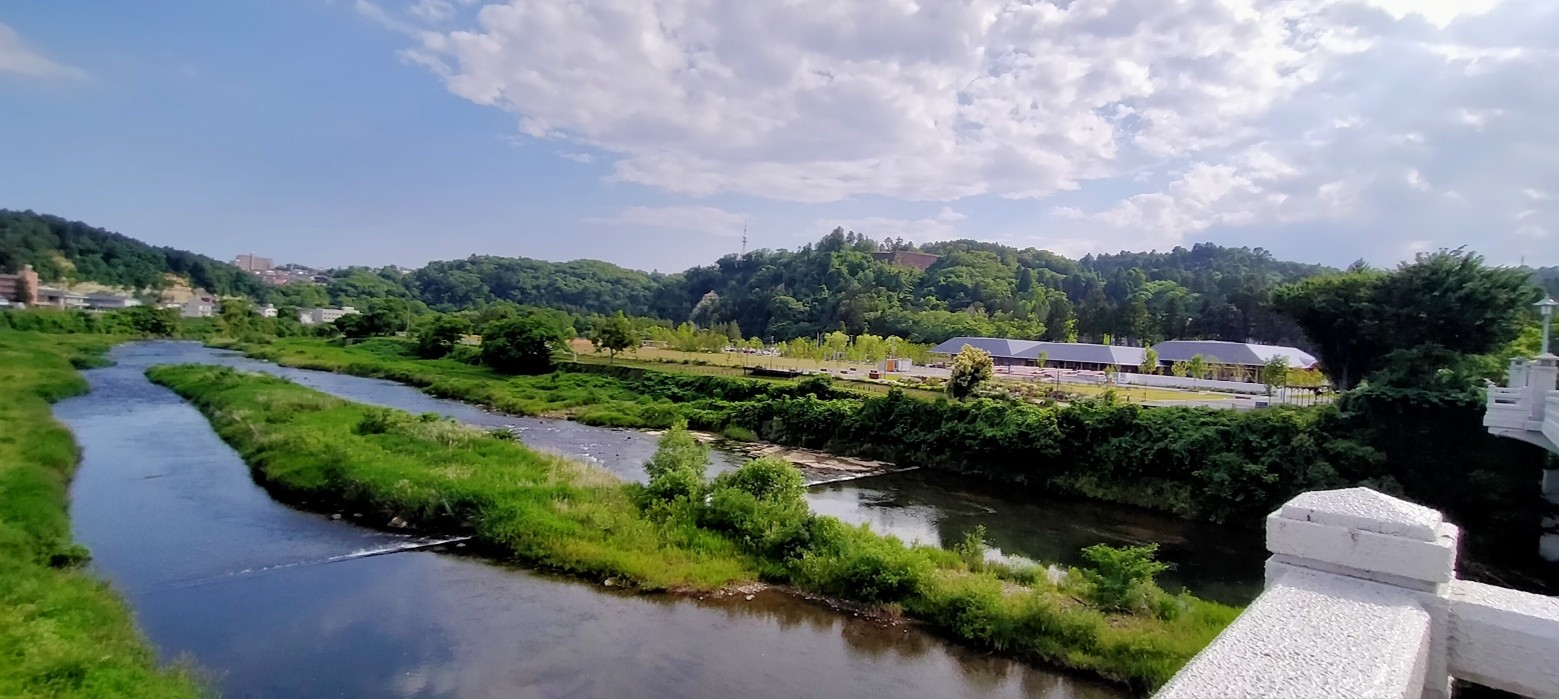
<point x="21" y="287"/>
<point x="253" y="263"/>
<point x="60" y="298"/>
<point x="320" y="316"/>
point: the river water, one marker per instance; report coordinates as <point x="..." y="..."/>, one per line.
<point x="275" y="602"/>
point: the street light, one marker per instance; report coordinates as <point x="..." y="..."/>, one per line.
<point x="1546" y="307"/>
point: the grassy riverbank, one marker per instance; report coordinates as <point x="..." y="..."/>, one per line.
<point x="313" y="449"/>
<point x="1216" y="465"/>
<point x="63" y="632"/>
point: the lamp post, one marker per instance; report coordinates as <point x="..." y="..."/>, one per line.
<point x="1546" y="308"/>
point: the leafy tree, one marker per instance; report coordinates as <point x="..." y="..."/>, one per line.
<point x="1196" y="367"/>
<point x="439" y="337"/>
<point x="972" y="366"/>
<point x="1274" y="374"/>
<point x="1449" y="299"/>
<point x="520" y="345"/>
<point x="1149" y="361"/>
<point x="237" y="316"/>
<point x="150" y="320"/>
<point x="1181" y="369"/>
<point x="615" y="334"/>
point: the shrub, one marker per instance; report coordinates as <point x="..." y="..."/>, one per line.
<point x="854" y="563"/>
<point x="767" y="478"/>
<point x="380" y="421"/>
<point x="678" y="466"/>
<point x="739" y="433"/>
<point x="1121" y="578"/>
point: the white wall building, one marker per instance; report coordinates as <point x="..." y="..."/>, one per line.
<point x="110" y="301"/>
<point x="319" y="316"/>
<point x="268" y="311"/>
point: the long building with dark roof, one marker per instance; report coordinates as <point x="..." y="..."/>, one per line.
<point x="1239" y="360"/>
<point x="1060" y="355"/>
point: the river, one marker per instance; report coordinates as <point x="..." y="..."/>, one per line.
<point x="275" y="602"/>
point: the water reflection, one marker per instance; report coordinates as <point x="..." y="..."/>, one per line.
<point x="1215" y="562"/>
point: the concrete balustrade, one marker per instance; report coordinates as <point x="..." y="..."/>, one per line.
<point x="1362" y="601"/>
<point x="1527" y="408"/>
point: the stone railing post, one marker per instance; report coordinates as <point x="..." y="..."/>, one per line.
<point x="1360" y="533"/>
<point x="1356" y="605"/>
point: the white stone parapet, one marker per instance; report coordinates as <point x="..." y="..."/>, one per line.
<point x="1362" y="601"/>
<point x="1505" y="639"/>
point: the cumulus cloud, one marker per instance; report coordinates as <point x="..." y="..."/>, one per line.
<point x="695" y="219"/>
<point x="17" y="58"/>
<point x="1182" y="118"/>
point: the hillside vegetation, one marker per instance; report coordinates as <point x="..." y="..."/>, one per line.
<point x="62" y="250"/>
<point x="834" y="285"/>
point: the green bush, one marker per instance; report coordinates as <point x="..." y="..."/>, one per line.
<point x="677" y="469"/>
<point x="739" y="433"/>
<point x="1121" y="578"/>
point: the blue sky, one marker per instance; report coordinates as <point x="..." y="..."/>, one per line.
<point x="647" y="133"/>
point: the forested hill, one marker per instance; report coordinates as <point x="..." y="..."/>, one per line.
<point x="974" y="288"/>
<point x="62" y="250"/>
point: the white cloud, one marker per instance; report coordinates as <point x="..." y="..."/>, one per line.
<point x="1437" y="12"/>
<point x="695" y="219"/>
<point x="435" y="11"/>
<point x="935" y="101"/>
<point x="583" y="158"/>
<point x="17" y="58"/>
<point x="1193" y="117"/>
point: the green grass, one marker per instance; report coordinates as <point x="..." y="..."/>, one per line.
<point x="63" y="632"/>
<point x="538" y="508"/>
<point x="547" y="511"/>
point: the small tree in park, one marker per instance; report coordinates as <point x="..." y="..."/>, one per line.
<point x="972" y="366"/>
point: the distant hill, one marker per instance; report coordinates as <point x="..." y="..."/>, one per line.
<point x="843" y="282"/>
<point x="72" y="251"/>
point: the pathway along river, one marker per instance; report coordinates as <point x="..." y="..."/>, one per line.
<point x="275" y="602"/>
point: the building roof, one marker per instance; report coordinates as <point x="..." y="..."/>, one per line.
<point x="1054" y="351"/>
<point x="1086" y="353"/>
<point x="1223" y="352"/>
<point x="996" y="346"/>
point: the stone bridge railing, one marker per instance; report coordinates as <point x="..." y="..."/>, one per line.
<point x="1362" y="600"/>
<point x="1527" y="407"/>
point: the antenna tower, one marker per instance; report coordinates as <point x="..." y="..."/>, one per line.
<point x="744" y="238"/>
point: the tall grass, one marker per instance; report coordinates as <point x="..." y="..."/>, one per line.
<point x="678" y="532"/>
<point x="63" y="632"/>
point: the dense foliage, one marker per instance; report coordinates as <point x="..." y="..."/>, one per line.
<point x="519" y="346"/>
<point x="1448" y="300"/>
<point x="834" y="285"/>
<point x="71" y="250"/>
<point x="63" y="632"/>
